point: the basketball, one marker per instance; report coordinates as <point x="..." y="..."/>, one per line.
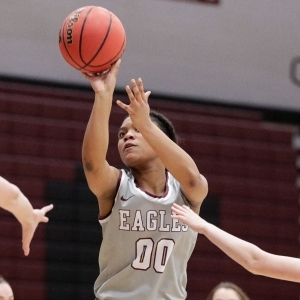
<point x="91" y="39"/>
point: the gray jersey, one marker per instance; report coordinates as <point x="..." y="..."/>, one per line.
<point x="144" y="252"/>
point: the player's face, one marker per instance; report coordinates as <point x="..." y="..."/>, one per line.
<point x="226" y="294"/>
<point x="6" y="292"/>
<point x="133" y="148"/>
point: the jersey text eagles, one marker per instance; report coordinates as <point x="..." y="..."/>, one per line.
<point x="153" y="220"/>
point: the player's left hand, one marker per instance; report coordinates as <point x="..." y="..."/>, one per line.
<point x="29" y="228"/>
<point x="138" y="108"/>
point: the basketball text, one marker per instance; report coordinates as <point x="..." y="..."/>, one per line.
<point x="73" y="19"/>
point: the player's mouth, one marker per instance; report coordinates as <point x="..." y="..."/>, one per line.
<point x="128" y="145"/>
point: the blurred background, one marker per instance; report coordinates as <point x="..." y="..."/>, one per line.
<point x="227" y="73"/>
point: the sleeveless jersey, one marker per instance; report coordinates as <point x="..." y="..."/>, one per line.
<point x="144" y="252"/>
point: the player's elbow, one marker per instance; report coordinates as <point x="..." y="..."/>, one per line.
<point x="252" y="266"/>
<point x="204" y="185"/>
<point x="196" y="180"/>
<point x="12" y="195"/>
<point x="197" y="189"/>
<point x="255" y="262"/>
<point x="87" y="165"/>
<point x="199" y="183"/>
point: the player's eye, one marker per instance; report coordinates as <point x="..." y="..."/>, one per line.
<point x="121" y="134"/>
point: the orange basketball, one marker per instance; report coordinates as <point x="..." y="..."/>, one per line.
<point x="91" y="39"/>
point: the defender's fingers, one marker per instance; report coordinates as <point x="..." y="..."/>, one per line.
<point x="178" y="207"/>
<point x="47" y="208"/>
<point x="26" y="249"/>
<point x="45" y="220"/>
<point x="176" y="210"/>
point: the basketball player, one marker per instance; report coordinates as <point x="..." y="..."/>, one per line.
<point x="14" y="201"/>
<point x="6" y="292"/>
<point x="227" y="291"/>
<point x="144" y="253"/>
<point x="247" y="255"/>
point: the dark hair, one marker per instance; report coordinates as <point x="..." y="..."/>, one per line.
<point x="165" y="125"/>
<point x="228" y="285"/>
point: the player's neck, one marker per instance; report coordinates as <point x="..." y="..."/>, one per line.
<point x="151" y="182"/>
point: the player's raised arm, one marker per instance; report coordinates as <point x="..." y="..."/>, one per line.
<point x="251" y="257"/>
<point x="175" y="159"/>
<point x="101" y="177"/>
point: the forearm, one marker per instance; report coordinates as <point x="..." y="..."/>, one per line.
<point x="175" y="159"/>
<point x="96" y="137"/>
<point x="251" y="257"/>
<point x="14" y="201"/>
<point x="193" y="185"/>
<point x="244" y="253"/>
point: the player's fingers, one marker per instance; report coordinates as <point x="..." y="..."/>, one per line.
<point x="45" y="219"/>
<point x="178" y="217"/>
<point x="89" y="76"/>
<point x="178" y="207"/>
<point x="175" y="209"/>
<point x="122" y="105"/>
<point x="26" y="249"/>
<point x="130" y="94"/>
<point x="85" y="75"/>
<point x="115" y="68"/>
<point x="47" y="208"/>
<point x="185" y="207"/>
<point x="147" y="94"/>
<point x="136" y="91"/>
<point x="144" y="96"/>
<point x="140" y="85"/>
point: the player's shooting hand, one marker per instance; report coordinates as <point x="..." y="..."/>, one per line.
<point x="104" y="82"/>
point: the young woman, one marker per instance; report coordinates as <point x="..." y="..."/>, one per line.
<point x="6" y="292"/>
<point x="247" y="255"/>
<point x="227" y="291"/>
<point x="144" y="253"/>
<point x="14" y="201"/>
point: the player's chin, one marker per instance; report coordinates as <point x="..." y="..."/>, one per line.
<point x="130" y="160"/>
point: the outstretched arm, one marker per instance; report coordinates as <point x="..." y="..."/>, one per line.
<point x="14" y="201"/>
<point x="246" y="254"/>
